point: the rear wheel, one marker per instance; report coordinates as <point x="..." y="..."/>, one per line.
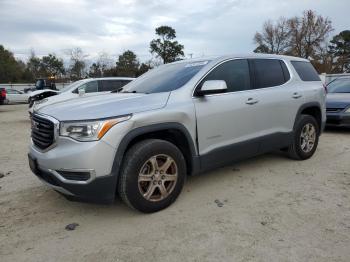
<point x="152" y="175"/>
<point x="305" y="139"/>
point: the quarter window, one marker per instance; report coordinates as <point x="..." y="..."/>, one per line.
<point x="306" y="71"/>
<point x="269" y="72"/>
<point x="235" y="73"/>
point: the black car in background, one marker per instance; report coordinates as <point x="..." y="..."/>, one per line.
<point x="338" y="102"/>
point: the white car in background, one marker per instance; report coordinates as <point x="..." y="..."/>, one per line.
<point x="85" y="87"/>
<point x="15" y="96"/>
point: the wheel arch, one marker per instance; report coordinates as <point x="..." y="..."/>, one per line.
<point x="175" y="133"/>
<point x="312" y="109"/>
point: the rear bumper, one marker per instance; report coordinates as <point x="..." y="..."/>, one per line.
<point x="99" y="190"/>
<point x="338" y="119"/>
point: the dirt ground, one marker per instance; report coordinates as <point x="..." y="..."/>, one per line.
<point x="268" y="208"/>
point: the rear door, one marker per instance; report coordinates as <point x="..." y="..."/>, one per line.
<point x="277" y="99"/>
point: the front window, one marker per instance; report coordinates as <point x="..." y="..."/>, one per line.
<point x="339" y="85"/>
<point x="72" y="86"/>
<point x="89" y="87"/>
<point x="165" y="78"/>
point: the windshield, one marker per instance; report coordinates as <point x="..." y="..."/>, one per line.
<point x="72" y="86"/>
<point x="165" y="78"/>
<point x="339" y="85"/>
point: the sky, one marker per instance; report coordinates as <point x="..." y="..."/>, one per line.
<point x="204" y="27"/>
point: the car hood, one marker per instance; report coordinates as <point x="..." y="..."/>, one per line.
<point x="104" y="106"/>
<point x="66" y="96"/>
<point x="38" y="92"/>
<point x="338" y="100"/>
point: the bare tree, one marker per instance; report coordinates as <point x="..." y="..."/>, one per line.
<point x="77" y="63"/>
<point x="308" y="33"/>
<point x="104" y="61"/>
<point x="274" y="38"/>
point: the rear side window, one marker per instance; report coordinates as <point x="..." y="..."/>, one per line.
<point x="111" y="85"/>
<point x="269" y="72"/>
<point x="235" y="73"/>
<point x="305" y="71"/>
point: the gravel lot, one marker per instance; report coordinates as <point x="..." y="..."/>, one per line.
<point x="268" y="208"/>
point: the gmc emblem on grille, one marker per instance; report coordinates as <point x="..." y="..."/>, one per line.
<point x="35" y="125"/>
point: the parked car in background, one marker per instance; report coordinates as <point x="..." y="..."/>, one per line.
<point x="86" y="87"/>
<point x="15" y="96"/>
<point x="179" y="119"/>
<point x="2" y="96"/>
<point x="338" y="102"/>
<point x="42" y="84"/>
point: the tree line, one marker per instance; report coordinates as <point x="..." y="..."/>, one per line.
<point x="306" y="36"/>
<point x="165" y="48"/>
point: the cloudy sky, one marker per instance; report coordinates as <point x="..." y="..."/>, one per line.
<point x="205" y="27"/>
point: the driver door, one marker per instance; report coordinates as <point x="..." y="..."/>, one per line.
<point x="226" y="121"/>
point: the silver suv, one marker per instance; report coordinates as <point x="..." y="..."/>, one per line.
<point x="176" y="120"/>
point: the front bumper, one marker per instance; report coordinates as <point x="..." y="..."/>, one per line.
<point x="99" y="190"/>
<point x="60" y="166"/>
<point x="338" y="119"/>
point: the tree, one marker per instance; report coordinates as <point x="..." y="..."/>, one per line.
<point x="308" y="33"/>
<point x="77" y="63"/>
<point x="33" y="66"/>
<point x="274" y="38"/>
<point x="50" y="65"/>
<point x="340" y="48"/>
<point x="10" y="69"/>
<point x="165" y="47"/>
<point x="144" y="67"/>
<point x="127" y="64"/>
<point x="95" y="70"/>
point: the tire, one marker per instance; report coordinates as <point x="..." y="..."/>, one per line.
<point x="300" y="149"/>
<point x="146" y="161"/>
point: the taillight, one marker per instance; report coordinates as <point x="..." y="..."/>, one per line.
<point x="3" y="93"/>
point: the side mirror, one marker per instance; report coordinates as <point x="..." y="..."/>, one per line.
<point x="81" y="92"/>
<point x="210" y="87"/>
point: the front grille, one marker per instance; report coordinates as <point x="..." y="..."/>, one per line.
<point x="43" y="133"/>
<point x="334" y="110"/>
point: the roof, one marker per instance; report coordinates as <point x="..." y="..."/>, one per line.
<point x="247" y="55"/>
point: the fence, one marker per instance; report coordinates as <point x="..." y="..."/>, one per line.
<point x="21" y="87"/>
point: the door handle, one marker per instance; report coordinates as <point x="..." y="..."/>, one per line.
<point x="296" y="95"/>
<point x="251" y="101"/>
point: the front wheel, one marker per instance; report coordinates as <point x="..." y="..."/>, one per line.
<point x="305" y="138"/>
<point x="152" y="175"/>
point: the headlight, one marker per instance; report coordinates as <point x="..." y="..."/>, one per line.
<point x="89" y="130"/>
<point x="347" y="110"/>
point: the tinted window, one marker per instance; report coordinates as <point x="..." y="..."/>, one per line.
<point x="268" y="73"/>
<point x="235" y="73"/>
<point x="165" y="78"/>
<point x="306" y="71"/>
<point x="340" y="85"/>
<point x="285" y="71"/>
<point x="89" y="87"/>
<point x="110" y="85"/>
